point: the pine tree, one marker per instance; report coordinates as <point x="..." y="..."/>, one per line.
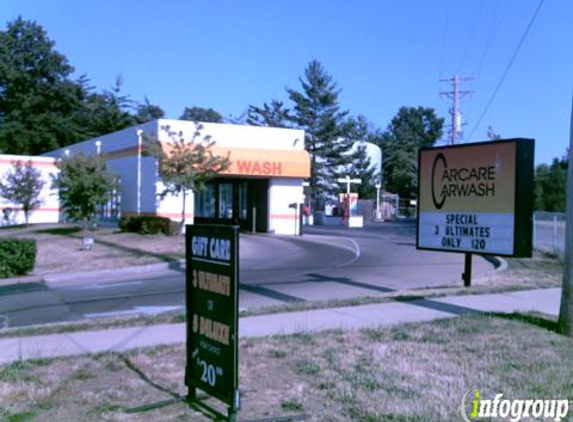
<point x="273" y="114"/>
<point x="316" y="110"/>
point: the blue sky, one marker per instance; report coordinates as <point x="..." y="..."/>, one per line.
<point x="383" y="54"/>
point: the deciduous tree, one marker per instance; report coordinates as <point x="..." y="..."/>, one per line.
<point x="411" y="129"/>
<point x="550" y="186"/>
<point x="22" y="186"/>
<point x="147" y="112"/>
<point x="83" y="184"/>
<point x="38" y="100"/>
<point x="200" y="114"/>
<point x="185" y="164"/>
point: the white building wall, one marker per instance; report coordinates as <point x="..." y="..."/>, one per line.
<point x="282" y="193"/>
<point x="121" y="152"/>
<point x="238" y="136"/>
<point x="49" y="210"/>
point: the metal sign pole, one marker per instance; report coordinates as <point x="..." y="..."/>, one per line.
<point x="467" y="274"/>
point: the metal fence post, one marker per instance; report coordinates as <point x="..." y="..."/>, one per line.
<point x="534" y="232"/>
<point x="555" y="234"/>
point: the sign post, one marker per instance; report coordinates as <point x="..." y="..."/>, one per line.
<point x="477" y="198"/>
<point x="212" y="315"/>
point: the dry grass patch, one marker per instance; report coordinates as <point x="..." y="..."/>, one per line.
<point x="416" y="372"/>
<point x="60" y="248"/>
<point x="540" y="271"/>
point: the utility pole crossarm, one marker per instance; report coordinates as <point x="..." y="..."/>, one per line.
<point x="348" y="182"/>
<point x="455" y="95"/>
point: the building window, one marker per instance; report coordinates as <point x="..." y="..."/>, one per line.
<point x="226" y="201"/>
<point x="205" y="202"/>
<point x="243" y="201"/>
<point x="111" y="209"/>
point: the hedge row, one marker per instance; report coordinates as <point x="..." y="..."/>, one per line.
<point x="148" y="225"/>
<point x="17" y="256"/>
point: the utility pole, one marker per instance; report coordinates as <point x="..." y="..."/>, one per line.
<point x="455" y="95"/>
<point x="566" y="310"/>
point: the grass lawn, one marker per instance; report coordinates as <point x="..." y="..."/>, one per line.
<point x="415" y="372"/>
<point x="60" y="248"/>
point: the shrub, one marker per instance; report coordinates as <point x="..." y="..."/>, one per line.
<point x="143" y="224"/>
<point x="17" y="256"/>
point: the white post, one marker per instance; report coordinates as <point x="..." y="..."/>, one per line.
<point x="98" y="147"/>
<point x="378" y="187"/>
<point x="139" y="135"/>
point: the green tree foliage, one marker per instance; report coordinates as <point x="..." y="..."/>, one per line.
<point x="38" y="101"/>
<point x="361" y="167"/>
<point x="273" y="114"/>
<point x="411" y="129"/>
<point x="22" y="186"/>
<point x="185" y="164"/>
<point x="109" y="111"/>
<point x="200" y="114"/>
<point x="316" y="110"/>
<point x="41" y="107"/>
<point x="147" y="112"/>
<point x="83" y="184"/>
<point x="551" y="186"/>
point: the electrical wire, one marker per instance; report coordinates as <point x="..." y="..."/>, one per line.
<point x="444" y="36"/>
<point x="508" y="68"/>
<point x="476" y="23"/>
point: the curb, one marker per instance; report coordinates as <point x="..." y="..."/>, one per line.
<point x="87" y="277"/>
<point x="21" y="280"/>
<point x="498" y="263"/>
<point x="91" y="276"/>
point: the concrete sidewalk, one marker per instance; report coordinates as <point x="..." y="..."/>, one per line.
<point x="372" y="315"/>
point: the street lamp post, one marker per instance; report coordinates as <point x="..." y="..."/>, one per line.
<point x="139" y="147"/>
<point x="378" y="213"/>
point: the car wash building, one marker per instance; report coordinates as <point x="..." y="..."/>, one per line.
<point x="257" y="192"/>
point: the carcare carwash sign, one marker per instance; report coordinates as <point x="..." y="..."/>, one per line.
<point x="477" y="198"/>
<point x="212" y="310"/>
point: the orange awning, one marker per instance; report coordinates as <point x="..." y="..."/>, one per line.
<point x="266" y="162"/>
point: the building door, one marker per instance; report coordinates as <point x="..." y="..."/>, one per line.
<point x="234" y="201"/>
<point x="258" y="205"/>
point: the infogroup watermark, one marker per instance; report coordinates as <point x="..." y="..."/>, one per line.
<point x="475" y="407"/>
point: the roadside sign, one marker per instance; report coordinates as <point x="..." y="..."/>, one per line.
<point x="212" y="312"/>
<point x="477" y="198"/>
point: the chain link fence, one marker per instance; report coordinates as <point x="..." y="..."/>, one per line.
<point x="549" y="232"/>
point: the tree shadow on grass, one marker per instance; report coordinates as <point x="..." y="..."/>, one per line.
<point x="61" y="231"/>
<point x="537" y="320"/>
<point x="175" y="397"/>
<point x="173" y="261"/>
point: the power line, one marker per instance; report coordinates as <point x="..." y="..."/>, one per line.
<point x="507" y="69"/>
<point x="475" y="25"/>
<point x="444" y="35"/>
